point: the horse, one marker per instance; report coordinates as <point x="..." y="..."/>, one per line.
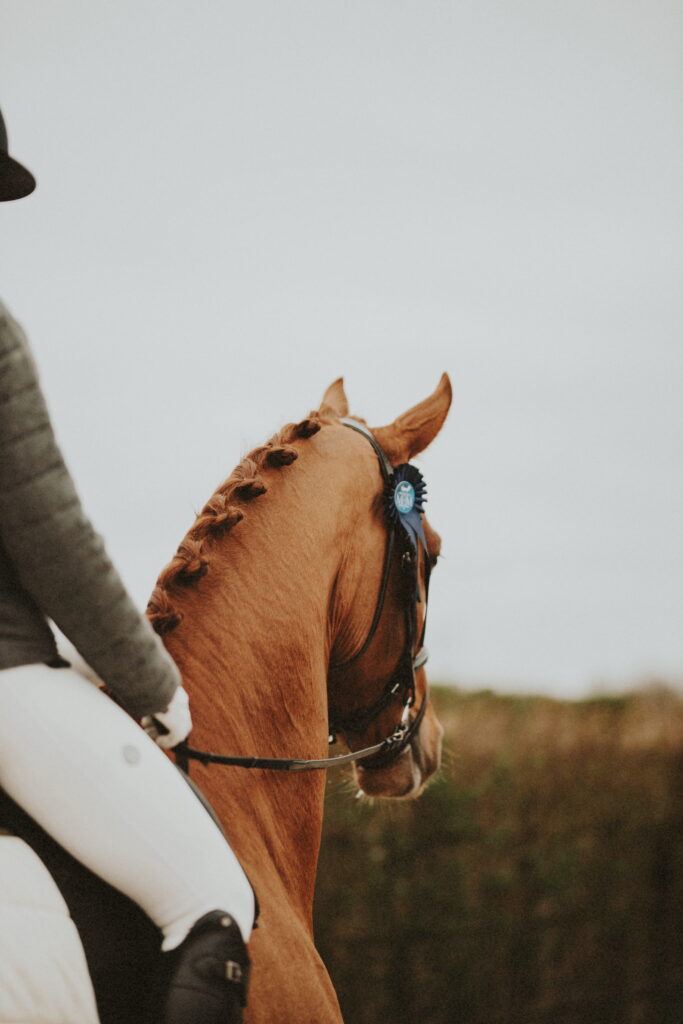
<point x="288" y="613"/>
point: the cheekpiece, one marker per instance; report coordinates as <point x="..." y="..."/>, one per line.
<point x="404" y="497"/>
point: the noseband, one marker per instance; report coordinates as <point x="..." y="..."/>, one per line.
<point x="401" y="686"/>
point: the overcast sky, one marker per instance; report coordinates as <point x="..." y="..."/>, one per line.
<point x="237" y="203"/>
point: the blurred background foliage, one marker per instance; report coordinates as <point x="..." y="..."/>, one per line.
<point x="539" y="879"/>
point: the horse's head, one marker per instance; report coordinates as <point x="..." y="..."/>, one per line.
<point x="377" y="683"/>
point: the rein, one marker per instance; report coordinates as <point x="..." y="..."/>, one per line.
<point x="400" y="736"/>
<point x="380" y="754"/>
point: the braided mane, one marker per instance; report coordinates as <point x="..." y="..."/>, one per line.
<point x="222" y="512"/>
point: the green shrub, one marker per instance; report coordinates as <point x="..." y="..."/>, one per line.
<point x="538" y="880"/>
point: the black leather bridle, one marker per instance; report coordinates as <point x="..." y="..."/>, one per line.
<point x="401" y="686"/>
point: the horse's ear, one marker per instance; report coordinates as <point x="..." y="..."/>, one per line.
<point x="410" y="433"/>
<point x="334" y="401"/>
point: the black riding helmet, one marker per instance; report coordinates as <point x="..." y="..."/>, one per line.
<point x="15" y="181"/>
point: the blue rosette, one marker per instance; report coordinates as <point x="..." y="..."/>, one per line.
<point x="404" y="499"/>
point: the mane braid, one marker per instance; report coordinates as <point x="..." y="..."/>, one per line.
<point x="220" y="514"/>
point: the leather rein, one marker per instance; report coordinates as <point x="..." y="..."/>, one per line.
<point x="401" y="686"/>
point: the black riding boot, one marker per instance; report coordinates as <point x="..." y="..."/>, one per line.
<point x="207" y="974"/>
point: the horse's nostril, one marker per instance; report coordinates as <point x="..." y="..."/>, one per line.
<point x="427" y="757"/>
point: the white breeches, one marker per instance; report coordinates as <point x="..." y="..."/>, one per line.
<point x="92" y="778"/>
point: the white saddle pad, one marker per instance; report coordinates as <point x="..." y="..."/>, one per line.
<point x="43" y="974"/>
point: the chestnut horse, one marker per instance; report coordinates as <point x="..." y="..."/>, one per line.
<point x="276" y="582"/>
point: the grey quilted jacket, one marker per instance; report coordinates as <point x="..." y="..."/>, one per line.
<point x="52" y="563"/>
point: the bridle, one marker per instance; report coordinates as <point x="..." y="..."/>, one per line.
<point x="401" y="685"/>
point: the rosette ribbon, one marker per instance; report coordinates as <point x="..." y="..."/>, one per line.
<point x="404" y="498"/>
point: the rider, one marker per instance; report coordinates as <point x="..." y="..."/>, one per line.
<point x="69" y="755"/>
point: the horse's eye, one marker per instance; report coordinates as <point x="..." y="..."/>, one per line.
<point x="433" y="559"/>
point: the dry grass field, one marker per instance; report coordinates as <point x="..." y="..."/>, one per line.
<point x="539" y="880"/>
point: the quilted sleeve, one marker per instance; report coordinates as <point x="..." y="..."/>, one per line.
<point x="59" y="558"/>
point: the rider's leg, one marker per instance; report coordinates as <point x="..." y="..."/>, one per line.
<point x="91" y="777"/>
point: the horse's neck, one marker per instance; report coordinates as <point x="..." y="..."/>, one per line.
<point x="252" y="650"/>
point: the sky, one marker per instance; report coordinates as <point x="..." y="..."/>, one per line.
<point x="238" y="203"/>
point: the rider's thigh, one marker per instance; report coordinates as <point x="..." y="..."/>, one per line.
<point x="82" y="768"/>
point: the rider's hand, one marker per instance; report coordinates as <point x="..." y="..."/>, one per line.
<point x="170" y="727"/>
